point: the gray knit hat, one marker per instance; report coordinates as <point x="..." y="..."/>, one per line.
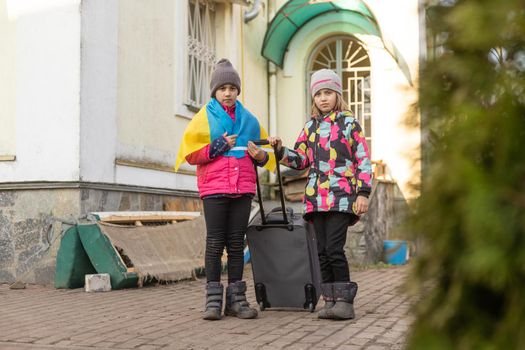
<point x="223" y="74"/>
<point x="325" y="79"/>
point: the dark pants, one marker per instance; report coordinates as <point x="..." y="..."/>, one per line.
<point x="330" y="230"/>
<point x="226" y="224"/>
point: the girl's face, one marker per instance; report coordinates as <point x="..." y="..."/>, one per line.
<point x="227" y="95"/>
<point x="325" y="100"/>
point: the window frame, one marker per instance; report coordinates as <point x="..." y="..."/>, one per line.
<point x="201" y="71"/>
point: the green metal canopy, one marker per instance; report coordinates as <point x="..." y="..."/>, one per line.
<point x="294" y="14"/>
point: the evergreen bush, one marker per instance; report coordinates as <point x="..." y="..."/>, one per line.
<point x="470" y="218"/>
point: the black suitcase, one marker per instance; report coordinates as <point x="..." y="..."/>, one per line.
<point x="283" y="251"/>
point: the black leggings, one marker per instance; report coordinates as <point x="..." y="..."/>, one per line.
<point x="330" y="230"/>
<point x="226" y="224"/>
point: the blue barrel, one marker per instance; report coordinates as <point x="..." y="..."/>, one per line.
<point x="395" y="252"/>
<point x="247" y="255"/>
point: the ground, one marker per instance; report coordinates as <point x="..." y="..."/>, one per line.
<point x="169" y="317"/>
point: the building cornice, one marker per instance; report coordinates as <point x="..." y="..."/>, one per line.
<point x="54" y="185"/>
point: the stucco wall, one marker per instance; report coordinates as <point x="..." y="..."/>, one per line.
<point x="397" y="143"/>
<point x="146" y="120"/>
<point x="253" y="67"/>
<point x="7" y="77"/>
<point x="43" y="88"/>
<point x="98" y="99"/>
<point x="151" y="114"/>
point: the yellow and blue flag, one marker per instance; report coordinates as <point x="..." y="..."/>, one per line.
<point x="212" y="122"/>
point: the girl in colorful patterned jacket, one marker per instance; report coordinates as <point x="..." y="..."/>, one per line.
<point x="333" y="146"/>
<point x="226" y="182"/>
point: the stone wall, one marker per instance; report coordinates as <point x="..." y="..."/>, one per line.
<point x="32" y="221"/>
<point x="98" y="200"/>
<point x="387" y="207"/>
<point x="30" y="231"/>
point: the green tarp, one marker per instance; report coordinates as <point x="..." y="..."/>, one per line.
<point x="72" y="261"/>
<point x="85" y="250"/>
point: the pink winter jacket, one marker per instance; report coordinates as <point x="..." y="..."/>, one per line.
<point x="223" y="175"/>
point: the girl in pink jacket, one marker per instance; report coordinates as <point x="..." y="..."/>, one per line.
<point x="226" y="182"/>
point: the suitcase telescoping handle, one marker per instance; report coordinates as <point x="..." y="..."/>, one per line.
<point x="281" y="192"/>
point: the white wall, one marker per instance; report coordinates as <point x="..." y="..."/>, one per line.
<point x="89" y="82"/>
<point x="98" y="110"/>
<point x="397" y="143"/>
<point x="145" y="114"/>
<point x="253" y="66"/>
<point x="129" y="76"/>
<point x="8" y="82"/>
<point x="46" y="78"/>
<point x="151" y="114"/>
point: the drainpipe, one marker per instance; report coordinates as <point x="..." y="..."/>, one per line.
<point x="253" y="12"/>
<point x="272" y="98"/>
<point x="272" y="90"/>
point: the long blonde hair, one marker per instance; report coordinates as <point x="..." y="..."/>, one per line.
<point x="340" y="105"/>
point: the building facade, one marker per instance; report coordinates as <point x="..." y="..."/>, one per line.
<point x="96" y="94"/>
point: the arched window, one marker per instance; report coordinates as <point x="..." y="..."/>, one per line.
<point x="348" y="58"/>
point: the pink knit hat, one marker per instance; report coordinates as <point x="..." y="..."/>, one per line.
<point x="325" y="79"/>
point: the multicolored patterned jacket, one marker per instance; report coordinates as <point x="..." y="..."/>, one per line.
<point x="335" y="149"/>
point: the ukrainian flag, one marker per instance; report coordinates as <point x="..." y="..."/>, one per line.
<point x="212" y="122"/>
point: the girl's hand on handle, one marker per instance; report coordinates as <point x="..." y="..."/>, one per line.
<point x="230" y="139"/>
<point x="276" y="141"/>
<point x="255" y="152"/>
<point x="361" y="205"/>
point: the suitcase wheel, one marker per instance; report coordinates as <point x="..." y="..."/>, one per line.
<point x="260" y="295"/>
<point x="310" y="296"/>
<point x="311" y="307"/>
<point x="261" y="306"/>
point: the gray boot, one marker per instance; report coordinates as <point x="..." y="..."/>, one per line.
<point x="236" y="303"/>
<point x="214" y="297"/>
<point x="344" y="294"/>
<point x="327" y="289"/>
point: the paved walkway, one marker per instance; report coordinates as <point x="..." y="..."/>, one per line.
<point x="169" y="317"/>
